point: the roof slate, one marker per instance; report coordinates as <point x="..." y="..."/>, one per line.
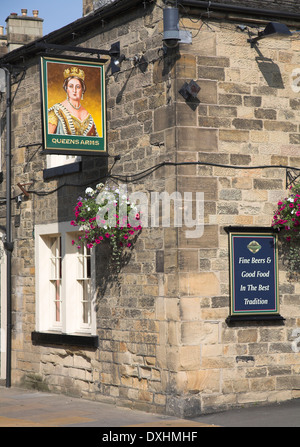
<point x="276" y="5"/>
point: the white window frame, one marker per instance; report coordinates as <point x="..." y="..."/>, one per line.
<point x="71" y="300"/>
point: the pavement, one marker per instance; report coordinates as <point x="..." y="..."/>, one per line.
<point x="27" y="408"/>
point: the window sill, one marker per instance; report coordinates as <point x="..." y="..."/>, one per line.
<point x="51" y="338"/>
<point x="275" y="318"/>
<point x="58" y="171"/>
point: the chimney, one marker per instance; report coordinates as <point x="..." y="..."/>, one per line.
<point x="22" y="29"/>
<point x="88" y="6"/>
<point x="3" y="42"/>
<point x="92" y="5"/>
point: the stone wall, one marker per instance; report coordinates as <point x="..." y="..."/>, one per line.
<point x="164" y="345"/>
<point x="125" y="368"/>
<point x="248" y="115"/>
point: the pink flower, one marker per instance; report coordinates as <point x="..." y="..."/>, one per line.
<point x="89" y="245"/>
<point x="98" y="241"/>
<point x="107" y="235"/>
<point x="79" y="204"/>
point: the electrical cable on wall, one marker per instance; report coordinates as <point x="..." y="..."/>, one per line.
<point x="133" y="178"/>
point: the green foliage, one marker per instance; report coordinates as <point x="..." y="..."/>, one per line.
<point x="106" y="215"/>
<point x="287" y="216"/>
<point x="287" y="221"/>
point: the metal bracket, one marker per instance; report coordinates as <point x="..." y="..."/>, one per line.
<point x="291" y="176"/>
<point x="21" y="186"/>
<point x="113" y="52"/>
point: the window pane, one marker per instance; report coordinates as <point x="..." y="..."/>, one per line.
<point x="84" y="281"/>
<point x="57" y="300"/>
<point x="55" y="277"/>
<point x="85" y="301"/>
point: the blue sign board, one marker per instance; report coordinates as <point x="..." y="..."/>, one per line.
<point x="253" y="273"/>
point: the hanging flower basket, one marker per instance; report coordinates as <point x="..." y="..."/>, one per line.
<point x="106" y="215"/>
<point x="287" y="216"/>
<point x="287" y="221"/>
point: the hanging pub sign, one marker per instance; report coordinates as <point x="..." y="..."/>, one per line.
<point x="253" y="273"/>
<point x="73" y="105"/>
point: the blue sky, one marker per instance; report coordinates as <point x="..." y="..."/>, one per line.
<point x="56" y="13"/>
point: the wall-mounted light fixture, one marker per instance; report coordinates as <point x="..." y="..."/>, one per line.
<point x="273" y="29"/>
<point x="189" y="90"/>
<point x="171" y="36"/>
<point x="117" y="58"/>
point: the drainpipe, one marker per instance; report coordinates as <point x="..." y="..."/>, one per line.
<point x="8" y="244"/>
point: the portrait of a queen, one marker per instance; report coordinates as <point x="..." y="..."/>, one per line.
<point x="70" y="117"/>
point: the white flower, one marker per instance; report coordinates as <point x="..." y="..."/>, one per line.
<point x="290" y="199"/>
<point x="89" y="191"/>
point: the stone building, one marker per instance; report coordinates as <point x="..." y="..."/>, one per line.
<point x="158" y="338"/>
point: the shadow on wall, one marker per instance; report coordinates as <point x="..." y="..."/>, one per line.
<point x="269" y="70"/>
<point x="108" y="270"/>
